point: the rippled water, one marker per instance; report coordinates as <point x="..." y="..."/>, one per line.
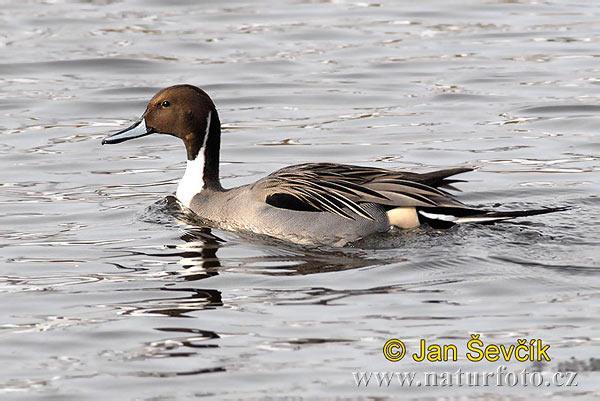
<point x="106" y="293"/>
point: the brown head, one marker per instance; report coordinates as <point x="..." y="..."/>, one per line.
<point x="188" y="113"/>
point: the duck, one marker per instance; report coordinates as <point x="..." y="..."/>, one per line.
<point x="310" y="203"/>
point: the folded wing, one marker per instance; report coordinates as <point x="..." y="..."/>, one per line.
<point x="344" y="189"/>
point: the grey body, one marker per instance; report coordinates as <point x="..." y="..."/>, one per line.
<point x="321" y="203"/>
<point x="241" y="209"/>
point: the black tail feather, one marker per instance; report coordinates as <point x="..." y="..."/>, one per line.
<point x="523" y="213"/>
<point x="447" y="217"/>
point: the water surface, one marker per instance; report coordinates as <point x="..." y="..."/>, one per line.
<point x="106" y="294"/>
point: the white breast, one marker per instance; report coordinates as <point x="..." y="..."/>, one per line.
<point x="192" y="181"/>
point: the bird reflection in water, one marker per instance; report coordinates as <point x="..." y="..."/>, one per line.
<point x="199" y="261"/>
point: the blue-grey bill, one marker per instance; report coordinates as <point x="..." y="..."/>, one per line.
<point x="137" y="130"/>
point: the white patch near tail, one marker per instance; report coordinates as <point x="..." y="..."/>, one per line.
<point x="460" y="220"/>
<point x="439" y="216"/>
<point x="403" y="217"/>
<point x="193" y="179"/>
<point x="481" y="219"/>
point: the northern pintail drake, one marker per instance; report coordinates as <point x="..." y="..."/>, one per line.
<point x="312" y="203"/>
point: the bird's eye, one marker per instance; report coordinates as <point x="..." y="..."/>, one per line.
<point x="165" y="103"/>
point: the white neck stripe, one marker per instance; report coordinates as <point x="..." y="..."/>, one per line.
<point x="193" y="179"/>
<point x="207" y="129"/>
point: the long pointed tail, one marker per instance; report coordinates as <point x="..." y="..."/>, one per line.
<point x="444" y="217"/>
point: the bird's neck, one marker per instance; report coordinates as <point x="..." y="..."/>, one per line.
<point x="202" y="169"/>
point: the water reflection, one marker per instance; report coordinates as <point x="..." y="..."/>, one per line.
<point x="175" y="306"/>
<point x="199" y="254"/>
<point x="197" y="259"/>
<point x="183" y="342"/>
